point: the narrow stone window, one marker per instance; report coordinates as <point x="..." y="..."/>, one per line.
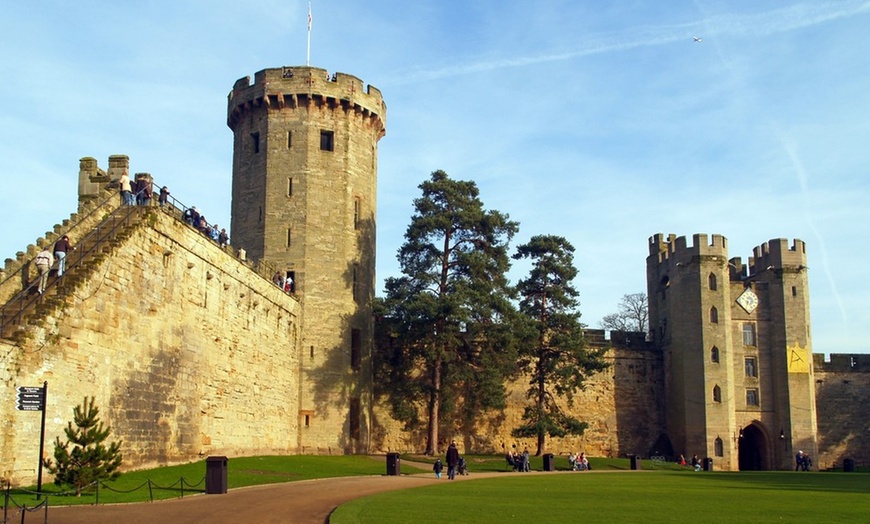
<point x="719" y="448"/>
<point x="354" y="418"/>
<point x="714" y="315"/>
<point x="357" y="208"/>
<point x="355" y="348"/>
<point x="327" y="141"/>
<point x="255" y="142"/>
<point x="752" y="397"/>
<point x="289" y="139"/>
<point x="289" y="236"/>
<point x="749" y="334"/>
<point x="311" y="352"/>
<point x="711" y="282"/>
<point x="714" y="355"/>
<point x="751" y="365"/>
<point x="307" y="421"/>
<point x="290" y="187"/>
<point x="717" y="394"/>
<point x="794" y="291"/>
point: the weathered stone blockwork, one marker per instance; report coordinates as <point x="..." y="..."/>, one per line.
<point x="622" y="405"/>
<point x="187" y="351"/>
<point x="842" y="397"/>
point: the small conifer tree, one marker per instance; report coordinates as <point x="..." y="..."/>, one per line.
<point x="84" y="458"/>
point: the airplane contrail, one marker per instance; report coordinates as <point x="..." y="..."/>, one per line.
<point x="764" y="24"/>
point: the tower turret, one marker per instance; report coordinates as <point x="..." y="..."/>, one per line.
<point x="304" y="200"/>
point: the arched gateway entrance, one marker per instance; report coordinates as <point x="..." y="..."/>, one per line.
<point x="753" y="451"/>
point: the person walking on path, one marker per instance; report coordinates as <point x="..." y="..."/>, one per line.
<point x="61" y="248"/>
<point x="437" y="467"/>
<point x="452" y="460"/>
<point x="44" y="260"/>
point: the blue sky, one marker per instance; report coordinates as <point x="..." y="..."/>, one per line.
<point x="603" y="122"/>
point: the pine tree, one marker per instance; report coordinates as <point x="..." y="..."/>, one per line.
<point x="83" y="458"/>
<point x="450" y="314"/>
<point x="554" y="353"/>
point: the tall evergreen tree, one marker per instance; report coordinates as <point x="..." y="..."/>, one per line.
<point x="554" y="354"/>
<point x="89" y="459"/>
<point x="450" y="312"/>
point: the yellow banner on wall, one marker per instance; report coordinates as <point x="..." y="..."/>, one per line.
<point x="798" y="359"/>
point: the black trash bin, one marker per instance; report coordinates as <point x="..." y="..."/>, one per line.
<point x="394" y="464"/>
<point x="849" y="465"/>
<point x="549" y="462"/>
<point x="635" y="461"/>
<point x="216" y="475"/>
<point x="708" y="464"/>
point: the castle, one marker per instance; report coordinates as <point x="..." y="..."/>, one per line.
<point x="191" y="350"/>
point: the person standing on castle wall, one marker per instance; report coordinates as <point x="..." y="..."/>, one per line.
<point x="288" y="285"/>
<point x="61" y="248"/>
<point x="223" y="238"/>
<point x="278" y="279"/>
<point x="143" y="192"/>
<point x="43" y="261"/>
<point x="163" y="197"/>
<point x="452" y="460"/>
<point x="126" y="189"/>
<point x="214" y="232"/>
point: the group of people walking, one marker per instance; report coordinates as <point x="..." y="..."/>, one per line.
<point x="45" y="259"/>
<point x="455" y="463"/>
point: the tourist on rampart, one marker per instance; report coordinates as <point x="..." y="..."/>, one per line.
<point x="126" y="189"/>
<point x="288" y="285"/>
<point x="163" y="197"/>
<point x="223" y="238"/>
<point x="43" y="260"/>
<point x="278" y="279"/>
<point x="452" y="460"/>
<point x="143" y="192"/>
<point x="214" y="232"/>
<point x="61" y="248"/>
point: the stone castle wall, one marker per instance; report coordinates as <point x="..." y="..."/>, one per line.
<point x="622" y="405"/>
<point x="187" y="352"/>
<point x="842" y="397"/>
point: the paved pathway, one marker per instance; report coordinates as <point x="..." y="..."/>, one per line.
<point x="304" y="502"/>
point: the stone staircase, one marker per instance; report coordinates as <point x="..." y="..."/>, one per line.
<point x="29" y="308"/>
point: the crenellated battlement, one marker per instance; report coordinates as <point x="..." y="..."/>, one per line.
<point x="674" y="249"/>
<point x="278" y="88"/>
<point x="777" y="253"/>
<point x="842" y="362"/>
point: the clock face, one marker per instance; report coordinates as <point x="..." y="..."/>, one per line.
<point x="748" y="300"/>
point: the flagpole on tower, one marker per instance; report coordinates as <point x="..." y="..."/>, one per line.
<point x="308" y="53"/>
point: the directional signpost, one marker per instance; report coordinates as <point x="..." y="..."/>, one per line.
<point x="32" y="398"/>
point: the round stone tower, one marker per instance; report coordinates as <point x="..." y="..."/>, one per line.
<point x="304" y="190"/>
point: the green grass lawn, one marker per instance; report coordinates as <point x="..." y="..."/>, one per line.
<point x="243" y="471"/>
<point x="644" y="496"/>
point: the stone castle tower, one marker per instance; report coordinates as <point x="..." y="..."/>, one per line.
<point x="737" y="350"/>
<point x="303" y="201"/>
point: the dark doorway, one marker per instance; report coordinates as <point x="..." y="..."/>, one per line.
<point x="753" y="449"/>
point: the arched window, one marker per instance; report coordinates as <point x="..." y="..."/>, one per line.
<point x="719" y="448"/>
<point x="711" y="282"/>
<point x="714" y="315"/>
<point x="714" y="355"/>
<point x="717" y="393"/>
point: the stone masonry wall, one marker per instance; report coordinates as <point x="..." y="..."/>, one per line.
<point x="187" y="352"/>
<point x="842" y="396"/>
<point x="622" y="405"/>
